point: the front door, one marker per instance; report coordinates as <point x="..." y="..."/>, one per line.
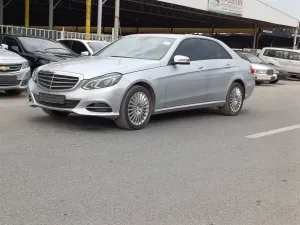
<point x="186" y="84"/>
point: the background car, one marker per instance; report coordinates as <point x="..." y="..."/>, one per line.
<point x="38" y="51"/>
<point x="287" y="59"/>
<point x="263" y="71"/>
<point x="141" y="75"/>
<point x="14" y="72"/>
<point x="84" y="47"/>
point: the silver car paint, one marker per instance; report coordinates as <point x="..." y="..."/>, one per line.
<point x="201" y="84"/>
<point x="7" y="58"/>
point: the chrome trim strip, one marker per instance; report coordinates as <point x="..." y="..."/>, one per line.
<point x="196" y="105"/>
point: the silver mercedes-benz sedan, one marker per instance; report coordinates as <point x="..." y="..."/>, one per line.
<point x="141" y="75"/>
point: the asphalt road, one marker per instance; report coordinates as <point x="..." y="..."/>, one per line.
<point x="185" y="168"/>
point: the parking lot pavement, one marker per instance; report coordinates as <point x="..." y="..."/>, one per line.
<point x="195" y="167"/>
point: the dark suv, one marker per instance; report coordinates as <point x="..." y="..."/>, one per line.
<point x="38" y="51"/>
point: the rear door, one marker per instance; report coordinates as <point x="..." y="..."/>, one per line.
<point x="294" y="62"/>
<point x="219" y="66"/>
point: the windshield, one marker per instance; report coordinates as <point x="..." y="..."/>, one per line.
<point x="139" y="47"/>
<point x="97" y="46"/>
<point x="43" y="45"/>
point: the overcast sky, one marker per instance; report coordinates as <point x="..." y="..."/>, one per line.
<point x="291" y="7"/>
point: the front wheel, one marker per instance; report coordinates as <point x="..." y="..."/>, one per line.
<point x="136" y="108"/>
<point x="234" y="100"/>
<point x="54" y="113"/>
<point x="273" y="81"/>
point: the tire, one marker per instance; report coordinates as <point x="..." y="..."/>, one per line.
<point x="228" y="109"/>
<point x="142" y="110"/>
<point x="273" y="81"/>
<point x="14" y="92"/>
<point x="56" y="114"/>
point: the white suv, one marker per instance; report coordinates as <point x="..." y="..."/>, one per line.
<point x="287" y="59"/>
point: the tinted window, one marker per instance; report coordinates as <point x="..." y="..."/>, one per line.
<point x="138" y="47"/>
<point x="43" y="45"/>
<point x="281" y="54"/>
<point x="66" y="43"/>
<point x="294" y="56"/>
<point x="190" y="48"/>
<point x="212" y="50"/>
<point x="12" y="43"/>
<point x="78" y="47"/>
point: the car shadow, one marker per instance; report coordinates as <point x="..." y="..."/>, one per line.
<point x="3" y="95"/>
<point x="89" y="123"/>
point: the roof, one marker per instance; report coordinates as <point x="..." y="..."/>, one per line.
<point x="82" y="40"/>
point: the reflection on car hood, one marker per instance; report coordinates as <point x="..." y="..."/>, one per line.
<point x="94" y="66"/>
<point x="54" y="57"/>
<point x="10" y="57"/>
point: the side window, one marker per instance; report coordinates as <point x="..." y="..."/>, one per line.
<point x="189" y="48"/>
<point x="294" y="56"/>
<point x="270" y="53"/>
<point x="12" y="43"/>
<point x="78" y="47"/>
<point x="212" y="50"/>
<point x="66" y="43"/>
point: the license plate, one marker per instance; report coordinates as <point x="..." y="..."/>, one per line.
<point x="8" y="78"/>
<point x="54" y="99"/>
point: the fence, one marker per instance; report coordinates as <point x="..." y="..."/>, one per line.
<point x="52" y="34"/>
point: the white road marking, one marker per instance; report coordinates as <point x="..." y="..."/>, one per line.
<point x="271" y="132"/>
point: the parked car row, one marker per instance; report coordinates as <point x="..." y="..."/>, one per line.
<point x="19" y="55"/>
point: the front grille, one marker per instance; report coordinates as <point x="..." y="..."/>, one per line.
<point x="6" y="81"/>
<point x="69" y="104"/>
<point x="52" y="81"/>
<point x="270" y="72"/>
<point x="10" y="68"/>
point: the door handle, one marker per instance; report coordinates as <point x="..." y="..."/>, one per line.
<point x="228" y="66"/>
<point x="201" y="68"/>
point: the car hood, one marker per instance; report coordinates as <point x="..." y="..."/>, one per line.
<point x="94" y="66"/>
<point x="54" y="57"/>
<point x="10" y="57"/>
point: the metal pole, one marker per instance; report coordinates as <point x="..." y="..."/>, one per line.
<point x="295" y="38"/>
<point x="50" y="14"/>
<point x="117" y="20"/>
<point x="99" y="23"/>
<point x="255" y="37"/>
<point x="88" y="19"/>
<point x="27" y="13"/>
<point x="1" y="12"/>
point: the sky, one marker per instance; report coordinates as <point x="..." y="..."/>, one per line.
<point x="291" y="7"/>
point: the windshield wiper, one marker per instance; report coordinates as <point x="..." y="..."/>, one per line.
<point x="55" y="48"/>
<point x="119" y="56"/>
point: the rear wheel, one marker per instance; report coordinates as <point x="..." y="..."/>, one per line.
<point x="54" y="113"/>
<point x="234" y="100"/>
<point x="136" y="108"/>
<point x="14" y="92"/>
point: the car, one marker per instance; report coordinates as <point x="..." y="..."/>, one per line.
<point x="287" y="59"/>
<point x="263" y="71"/>
<point x="145" y="74"/>
<point x="14" y="72"/>
<point x="84" y="47"/>
<point x="38" y="51"/>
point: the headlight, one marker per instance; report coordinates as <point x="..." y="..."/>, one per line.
<point x="25" y="65"/>
<point x="102" y="81"/>
<point x="261" y="71"/>
<point x="35" y="75"/>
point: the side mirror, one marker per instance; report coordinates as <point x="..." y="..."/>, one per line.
<point x="181" y="60"/>
<point x="15" y="48"/>
<point x="4" y="46"/>
<point x="86" y="53"/>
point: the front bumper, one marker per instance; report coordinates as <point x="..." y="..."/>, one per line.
<point x="22" y="77"/>
<point x="79" y="100"/>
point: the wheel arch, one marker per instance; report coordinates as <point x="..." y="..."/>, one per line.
<point x="241" y="82"/>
